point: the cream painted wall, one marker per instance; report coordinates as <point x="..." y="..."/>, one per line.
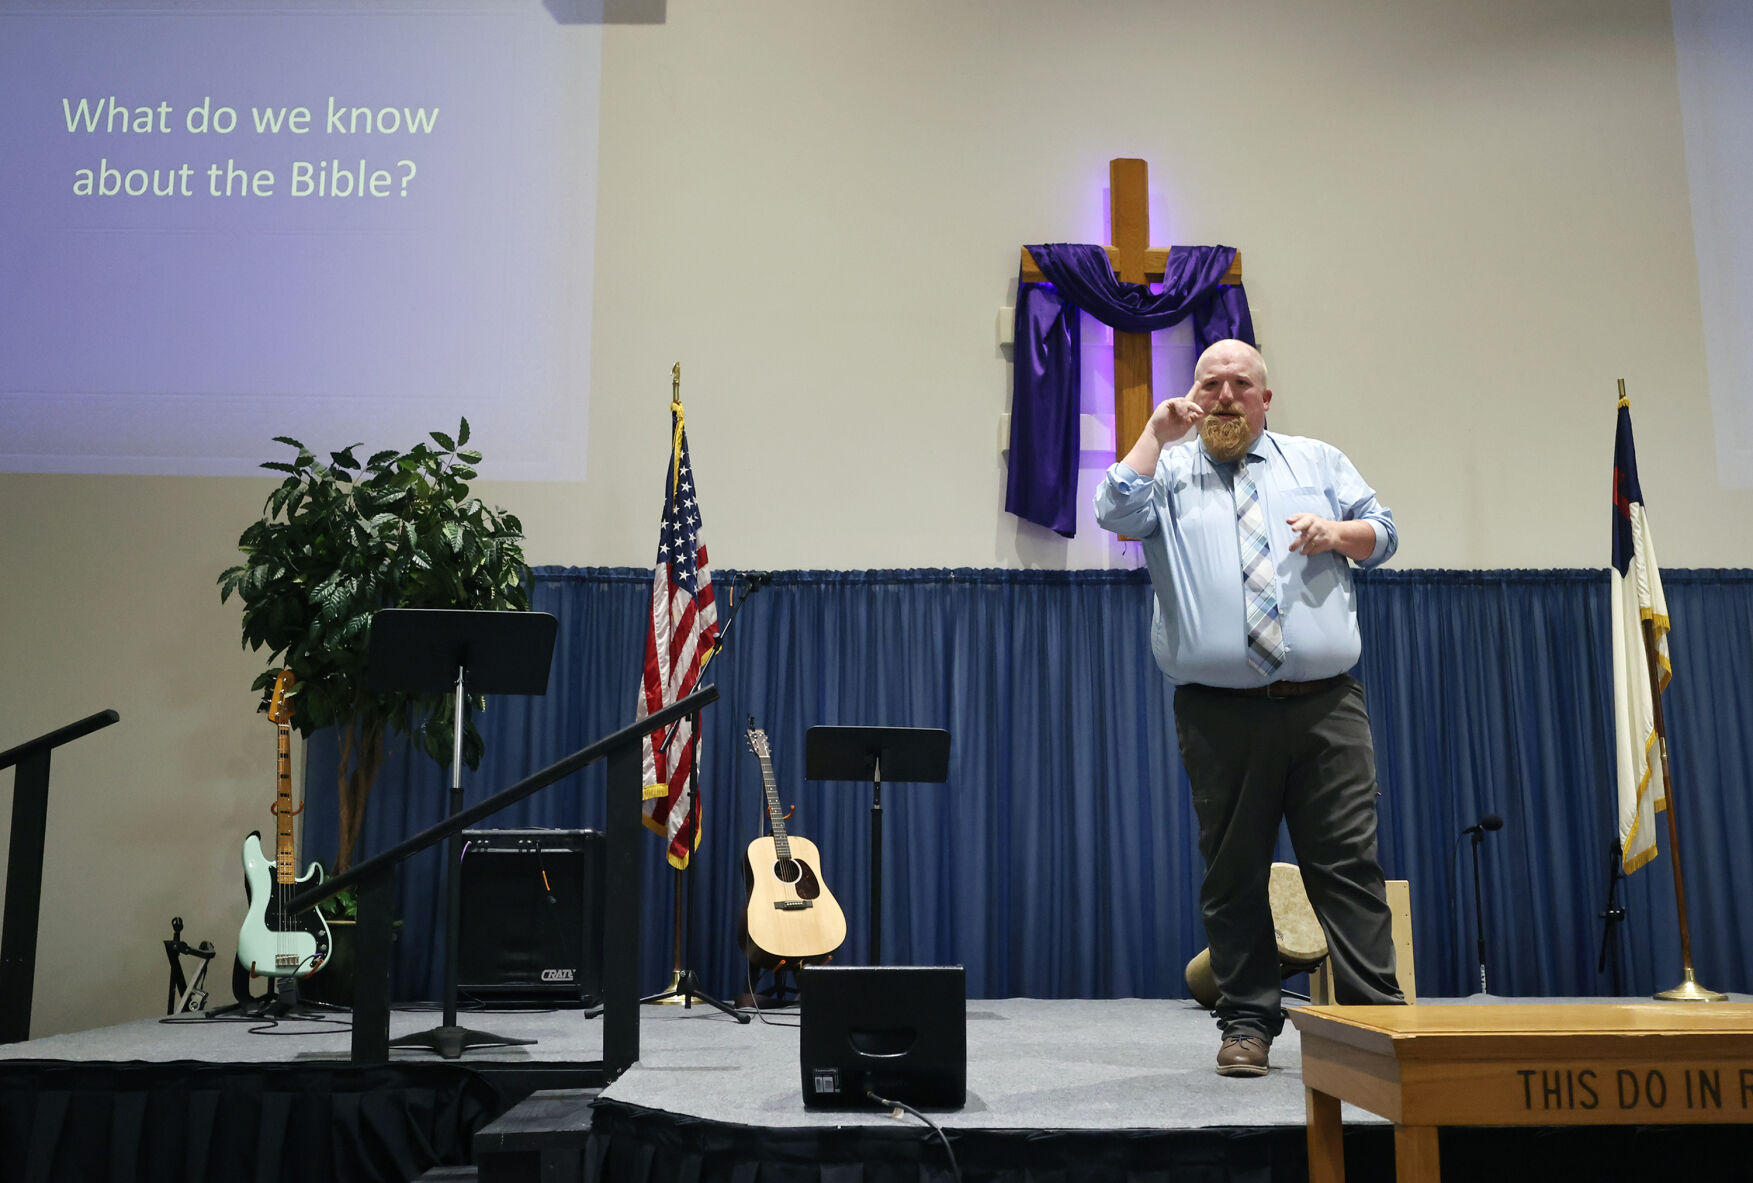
<point x="1461" y="223"/>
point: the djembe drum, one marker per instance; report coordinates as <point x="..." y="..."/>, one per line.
<point x="1302" y="945"/>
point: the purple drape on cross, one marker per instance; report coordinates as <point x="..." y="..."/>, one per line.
<point x="1042" y="485"/>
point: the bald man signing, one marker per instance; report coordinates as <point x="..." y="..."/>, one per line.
<point x="1250" y="536"/>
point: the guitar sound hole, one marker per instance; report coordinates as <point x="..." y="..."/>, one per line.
<point x="787" y="871"/>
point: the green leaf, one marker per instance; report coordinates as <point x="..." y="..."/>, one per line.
<point x="335" y="543"/>
<point x="343" y="905"/>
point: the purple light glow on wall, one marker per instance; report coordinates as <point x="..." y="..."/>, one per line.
<point x="1171" y="350"/>
<point x="1172" y="358"/>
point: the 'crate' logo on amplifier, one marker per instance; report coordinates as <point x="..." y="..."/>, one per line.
<point x="557" y="975"/>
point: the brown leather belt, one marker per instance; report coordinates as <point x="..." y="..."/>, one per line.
<point x="1274" y="689"/>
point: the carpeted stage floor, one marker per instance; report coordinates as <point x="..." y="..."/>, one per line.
<point x="1128" y="1063"/>
<point x="1060" y="1090"/>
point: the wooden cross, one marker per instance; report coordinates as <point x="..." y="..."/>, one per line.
<point x="1134" y="261"/>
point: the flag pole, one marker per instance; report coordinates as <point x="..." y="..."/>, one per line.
<point x="1688" y="990"/>
<point x="684" y="570"/>
<point x="674" y="995"/>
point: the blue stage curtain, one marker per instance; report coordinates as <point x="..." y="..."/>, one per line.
<point x="1059" y="860"/>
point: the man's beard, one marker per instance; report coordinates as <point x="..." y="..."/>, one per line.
<point x="1226" y="436"/>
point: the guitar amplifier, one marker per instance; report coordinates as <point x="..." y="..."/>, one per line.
<point x="900" y="1032"/>
<point x="531" y="925"/>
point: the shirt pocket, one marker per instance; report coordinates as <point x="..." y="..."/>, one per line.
<point x="1287" y="503"/>
<point x="1307" y="579"/>
<point x="1204" y="506"/>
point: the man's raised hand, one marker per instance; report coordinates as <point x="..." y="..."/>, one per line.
<point x="1313" y="534"/>
<point x="1173" y="416"/>
<point x="1178" y="413"/>
<point x="1167" y="424"/>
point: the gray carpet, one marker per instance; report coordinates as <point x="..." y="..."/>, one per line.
<point x="1032" y="1063"/>
<point x="1130" y="1063"/>
<point x="562" y="1037"/>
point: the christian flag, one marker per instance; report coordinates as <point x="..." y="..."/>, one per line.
<point x="678" y="641"/>
<point x="1636" y="597"/>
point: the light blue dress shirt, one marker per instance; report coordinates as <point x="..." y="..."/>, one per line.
<point x="1186" y="520"/>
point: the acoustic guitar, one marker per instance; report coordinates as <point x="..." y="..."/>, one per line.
<point x="792" y="915"/>
<point x="273" y="943"/>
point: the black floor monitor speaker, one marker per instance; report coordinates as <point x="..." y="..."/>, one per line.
<point x="531" y="928"/>
<point x="900" y="1032"/>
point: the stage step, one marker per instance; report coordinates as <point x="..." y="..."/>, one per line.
<point x="539" y="1140"/>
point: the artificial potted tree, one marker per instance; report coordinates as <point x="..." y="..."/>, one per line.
<point x="338" y="541"/>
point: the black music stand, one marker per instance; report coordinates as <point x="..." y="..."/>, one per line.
<point x="919" y="754"/>
<point x="430" y="651"/>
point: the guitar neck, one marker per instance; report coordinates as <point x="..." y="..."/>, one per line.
<point x="781" y="846"/>
<point x="285" y="871"/>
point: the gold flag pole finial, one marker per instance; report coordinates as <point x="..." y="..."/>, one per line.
<point x="676" y="417"/>
<point x="1622" y="399"/>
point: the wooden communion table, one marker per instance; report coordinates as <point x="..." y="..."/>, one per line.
<point x="1532" y="1064"/>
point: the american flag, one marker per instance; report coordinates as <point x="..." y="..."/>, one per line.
<point x="684" y="625"/>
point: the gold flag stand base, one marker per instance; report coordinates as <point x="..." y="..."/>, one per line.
<point x="673" y="995"/>
<point x="1690" y="991"/>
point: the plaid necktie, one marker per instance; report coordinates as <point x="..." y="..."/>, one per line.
<point x="1259" y="578"/>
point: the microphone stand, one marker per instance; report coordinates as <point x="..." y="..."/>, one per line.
<point x="1479" y="908"/>
<point x="756" y="582"/>
<point x="1611" y="918"/>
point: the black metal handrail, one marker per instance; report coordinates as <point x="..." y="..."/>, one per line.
<point x="24" y="869"/>
<point x="54" y="739"/>
<point x="620" y="902"/>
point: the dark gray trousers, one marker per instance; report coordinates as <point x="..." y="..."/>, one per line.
<point x="1309" y="761"/>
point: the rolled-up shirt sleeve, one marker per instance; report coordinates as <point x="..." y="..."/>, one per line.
<point x="1357" y="503"/>
<point x="1125" y="502"/>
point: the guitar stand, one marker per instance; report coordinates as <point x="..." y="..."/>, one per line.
<point x="784" y="985"/>
<point x="244" y="1003"/>
<point x="184" y="994"/>
<point x="279" y="1001"/>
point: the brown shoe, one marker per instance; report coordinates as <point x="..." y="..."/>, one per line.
<point x="1242" y="1055"/>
